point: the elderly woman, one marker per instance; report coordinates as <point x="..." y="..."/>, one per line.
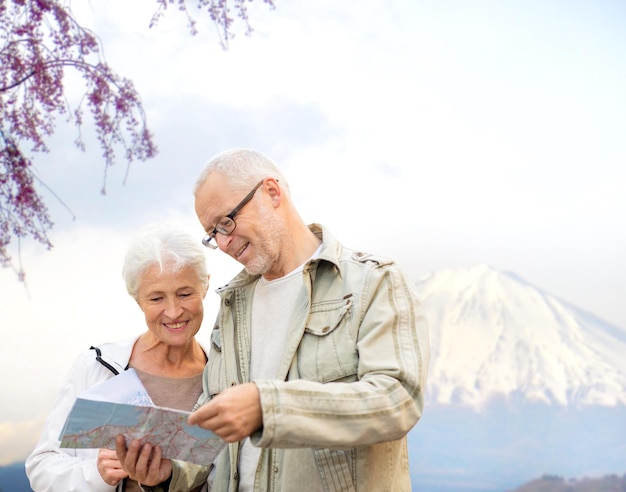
<point x="165" y="272"/>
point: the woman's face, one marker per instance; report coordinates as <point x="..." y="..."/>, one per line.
<point x="172" y="304"/>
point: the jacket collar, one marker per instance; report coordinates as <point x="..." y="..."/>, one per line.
<point x="330" y="252"/>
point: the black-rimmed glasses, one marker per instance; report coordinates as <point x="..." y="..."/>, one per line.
<point x="226" y="225"/>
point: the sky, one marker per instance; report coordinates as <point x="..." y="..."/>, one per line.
<point x="443" y="134"/>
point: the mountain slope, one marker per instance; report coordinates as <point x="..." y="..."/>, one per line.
<point x="551" y="483"/>
<point x="13" y="478"/>
<point x="494" y="335"/>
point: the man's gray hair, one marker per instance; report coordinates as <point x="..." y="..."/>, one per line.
<point x="243" y="168"/>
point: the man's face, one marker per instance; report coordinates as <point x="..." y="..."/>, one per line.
<point x="255" y="240"/>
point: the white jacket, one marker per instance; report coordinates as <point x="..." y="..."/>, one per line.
<point x="52" y="469"/>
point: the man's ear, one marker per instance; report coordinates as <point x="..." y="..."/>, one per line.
<point x="272" y="187"/>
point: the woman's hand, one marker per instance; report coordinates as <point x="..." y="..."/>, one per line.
<point x="110" y="467"/>
<point x="143" y="463"/>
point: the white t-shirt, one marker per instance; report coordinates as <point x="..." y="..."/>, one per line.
<point x="273" y="306"/>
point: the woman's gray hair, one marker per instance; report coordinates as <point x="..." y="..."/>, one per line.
<point x="243" y="168"/>
<point x="169" y="247"/>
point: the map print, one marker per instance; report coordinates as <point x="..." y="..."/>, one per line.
<point x="95" y="424"/>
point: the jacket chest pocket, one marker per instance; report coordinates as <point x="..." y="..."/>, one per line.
<point x="327" y="350"/>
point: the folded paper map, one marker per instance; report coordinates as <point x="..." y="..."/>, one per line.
<point x="94" y="422"/>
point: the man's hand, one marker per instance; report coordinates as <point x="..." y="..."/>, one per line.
<point x="143" y="463"/>
<point x="233" y="414"/>
<point x="110" y="467"/>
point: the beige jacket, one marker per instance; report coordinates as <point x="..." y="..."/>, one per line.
<point x="351" y="382"/>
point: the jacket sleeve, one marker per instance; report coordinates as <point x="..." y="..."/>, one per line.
<point x="185" y="478"/>
<point x="50" y="468"/>
<point x="384" y="354"/>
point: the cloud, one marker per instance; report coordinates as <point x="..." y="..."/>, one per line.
<point x="17" y="439"/>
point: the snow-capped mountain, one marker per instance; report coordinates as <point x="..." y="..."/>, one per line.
<point x="494" y="335"/>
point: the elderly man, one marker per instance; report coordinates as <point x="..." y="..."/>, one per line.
<point x="318" y="359"/>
